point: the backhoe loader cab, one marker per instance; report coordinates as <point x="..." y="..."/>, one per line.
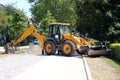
<point x="57" y="30"/>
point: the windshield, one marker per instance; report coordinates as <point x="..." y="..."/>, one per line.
<point x="65" y="30"/>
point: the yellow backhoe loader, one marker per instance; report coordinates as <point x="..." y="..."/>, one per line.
<point x="59" y="39"/>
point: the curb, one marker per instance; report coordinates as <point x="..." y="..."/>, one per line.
<point x="88" y="73"/>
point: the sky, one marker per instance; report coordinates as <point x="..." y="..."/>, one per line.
<point x="20" y="4"/>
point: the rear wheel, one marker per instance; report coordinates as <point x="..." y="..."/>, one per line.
<point x="50" y="48"/>
<point x="68" y="48"/>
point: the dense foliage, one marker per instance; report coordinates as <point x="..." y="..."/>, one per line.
<point x="17" y="22"/>
<point x="60" y="10"/>
<point x="3" y="19"/>
<point x="99" y="19"/>
<point x="47" y="11"/>
<point x="3" y="23"/>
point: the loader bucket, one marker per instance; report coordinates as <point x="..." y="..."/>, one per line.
<point x="99" y="50"/>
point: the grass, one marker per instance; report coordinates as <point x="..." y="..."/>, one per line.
<point x="23" y="50"/>
<point x="22" y="44"/>
<point x="1" y="44"/>
<point x="114" y="63"/>
<point x="2" y="52"/>
<point x="115" y="47"/>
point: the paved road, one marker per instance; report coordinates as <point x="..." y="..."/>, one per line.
<point x="37" y="67"/>
<point x="55" y="68"/>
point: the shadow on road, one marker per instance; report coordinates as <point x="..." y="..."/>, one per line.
<point x="76" y="55"/>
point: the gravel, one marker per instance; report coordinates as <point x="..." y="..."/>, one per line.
<point x="100" y="70"/>
<point x="13" y="65"/>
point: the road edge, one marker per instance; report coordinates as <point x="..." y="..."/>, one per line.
<point x="88" y="73"/>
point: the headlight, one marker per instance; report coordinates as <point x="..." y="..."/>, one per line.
<point x="56" y="36"/>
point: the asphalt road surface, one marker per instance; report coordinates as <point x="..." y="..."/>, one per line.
<point x="55" y="68"/>
<point x="38" y="67"/>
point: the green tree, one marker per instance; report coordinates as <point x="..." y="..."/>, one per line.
<point x="17" y="22"/>
<point x="99" y="18"/>
<point x="113" y="12"/>
<point x="45" y="22"/>
<point x="3" y="23"/>
<point x="61" y="10"/>
<point x="3" y="19"/>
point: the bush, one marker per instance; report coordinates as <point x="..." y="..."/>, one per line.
<point x="115" y="47"/>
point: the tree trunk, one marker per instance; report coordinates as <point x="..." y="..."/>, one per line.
<point x="8" y="48"/>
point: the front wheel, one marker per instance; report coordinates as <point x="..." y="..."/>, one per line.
<point x="68" y="48"/>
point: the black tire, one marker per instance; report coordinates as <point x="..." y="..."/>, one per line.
<point x="42" y="52"/>
<point x="50" y="48"/>
<point x="68" y="48"/>
<point x="79" y="52"/>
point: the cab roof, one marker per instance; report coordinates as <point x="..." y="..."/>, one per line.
<point x="58" y="23"/>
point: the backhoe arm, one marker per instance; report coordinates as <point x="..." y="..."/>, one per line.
<point x="41" y="38"/>
<point x="23" y="36"/>
<point x="87" y="43"/>
<point x="31" y="30"/>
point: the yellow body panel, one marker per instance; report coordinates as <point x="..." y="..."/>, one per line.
<point x="78" y="41"/>
<point x="87" y="43"/>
